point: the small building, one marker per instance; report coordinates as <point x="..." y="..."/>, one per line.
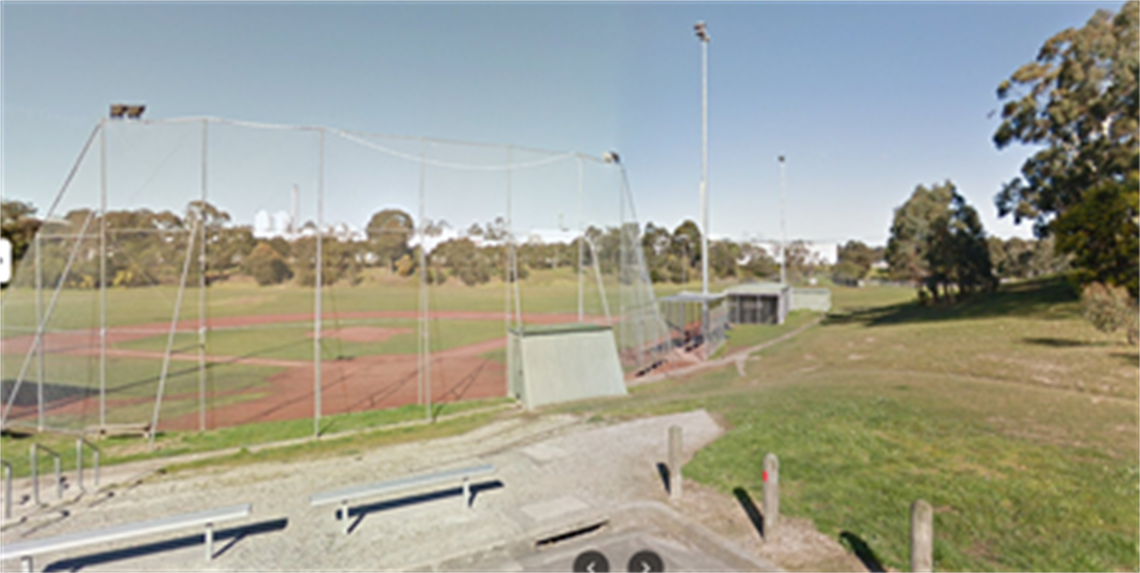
<point x="758" y="303"/>
<point x="696" y="321"/>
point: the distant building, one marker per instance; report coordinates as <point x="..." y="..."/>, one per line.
<point x="819" y="253"/>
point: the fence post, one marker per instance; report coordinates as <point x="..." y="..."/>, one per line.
<point x="79" y="464"/>
<point x="675" y="442"/>
<point x="771" y="494"/>
<point x="921" y="537"/>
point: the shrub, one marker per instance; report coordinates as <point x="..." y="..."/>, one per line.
<point x="1110" y="308"/>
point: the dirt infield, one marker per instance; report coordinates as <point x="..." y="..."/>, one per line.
<point x="363" y="383"/>
<point x="347" y="385"/>
<point x="362" y="333"/>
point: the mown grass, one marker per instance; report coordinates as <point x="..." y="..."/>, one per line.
<point x="295" y="342"/>
<point x="1027" y="447"/>
<point x="542" y="292"/>
<point x="748" y="335"/>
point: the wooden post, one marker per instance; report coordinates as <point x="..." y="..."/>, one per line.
<point x="921" y="537"/>
<point x="771" y="494"/>
<point x="675" y="456"/>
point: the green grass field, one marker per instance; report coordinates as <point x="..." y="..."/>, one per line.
<point x="1011" y="415"/>
<point x="543" y="292"/>
<point x="294" y="342"/>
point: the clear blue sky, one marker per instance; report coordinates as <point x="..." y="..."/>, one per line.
<point x="866" y="100"/>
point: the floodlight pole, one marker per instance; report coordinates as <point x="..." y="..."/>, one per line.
<point x="102" y="274"/>
<point x="783" y="228"/>
<point x="317" y="299"/>
<point x="702" y="34"/>
<point x="202" y="290"/>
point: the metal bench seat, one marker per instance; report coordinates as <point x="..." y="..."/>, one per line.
<point x="26" y="549"/>
<point x="344" y="495"/>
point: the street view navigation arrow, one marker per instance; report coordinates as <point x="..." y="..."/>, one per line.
<point x="591" y="562"/>
<point x="646" y="562"/>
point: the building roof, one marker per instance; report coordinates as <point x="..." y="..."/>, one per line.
<point x="757" y="288"/>
<point x="686" y="296"/>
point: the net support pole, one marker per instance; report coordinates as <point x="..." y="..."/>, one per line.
<point x="173" y="329"/>
<point x="511" y="358"/>
<point x="581" y="247"/>
<point x="425" y="319"/>
<point x="202" y="293"/>
<point x="317" y="298"/>
<point x="102" y="274"/>
<point x="39" y="317"/>
<point x="511" y="239"/>
<point x="39" y="347"/>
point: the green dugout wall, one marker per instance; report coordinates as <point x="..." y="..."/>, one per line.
<point x="562" y="363"/>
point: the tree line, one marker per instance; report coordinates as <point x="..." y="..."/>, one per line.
<point x="145" y="247"/>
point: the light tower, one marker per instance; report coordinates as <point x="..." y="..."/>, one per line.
<point x="703" y="36"/>
<point x="783" y="228"/>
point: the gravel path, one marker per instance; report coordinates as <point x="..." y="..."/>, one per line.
<point x="555" y="473"/>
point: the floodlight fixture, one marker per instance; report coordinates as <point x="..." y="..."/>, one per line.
<point x="702" y="31"/>
<point x="130" y="111"/>
<point x="611" y="157"/>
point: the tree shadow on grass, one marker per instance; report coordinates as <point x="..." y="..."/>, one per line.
<point x="862" y="551"/>
<point x="1037" y="298"/>
<point x="1130" y="358"/>
<point x="1061" y="342"/>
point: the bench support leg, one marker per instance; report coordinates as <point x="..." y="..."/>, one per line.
<point x="344" y="516"/>
<point x="209" y="542"/>
<point x="26" y="564"/>
<point x="466" y="492"/>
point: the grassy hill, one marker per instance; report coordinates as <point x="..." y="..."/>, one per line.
<point x="1010" y="414"/>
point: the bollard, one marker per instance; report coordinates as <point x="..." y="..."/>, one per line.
<point x="921" y="537"/>
<point x="771" y="494"/>
<point x="675" y="456"/>
<point x="7" y="490"/>
<point x="35" y="473"/>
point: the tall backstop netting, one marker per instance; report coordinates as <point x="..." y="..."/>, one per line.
<point x="199" y="273"/>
